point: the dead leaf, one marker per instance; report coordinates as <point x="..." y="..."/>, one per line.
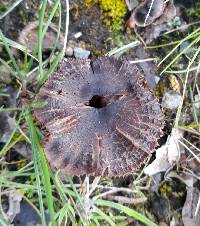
<point x="15" y="198"/>
<point x="166" y="155"/>
<point x="173" y="146"/>
<point x="188" y="180"/>
<point x="190" y="213"/>
<point x="160" y="164"/>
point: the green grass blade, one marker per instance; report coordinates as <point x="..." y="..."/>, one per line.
<point x="40" y="34"/>
<point x="162" y="45"/>
<point x="7" y="145"/>
<point x="104" y="216"/>
<point x="46" y="182"/>
<point x="194" y="33"/>
<point x="63" y="214"/>
<point x="123" y="49"/>
<point x="96" y="221"/>
<point x="10" y="54"/>
<point x="193" y="106"/>
<point x="10" y="9"/>
<point x="53" y="11"/>
<point x="126" y="210"/>
<point x="33" y="137"/>
<point x="80" y="201"/>
<point x="51" y="69"/>
<point x="45" y="171"/>
<point x="182" y="52"/>
<point x="18" y="46"/>
<point x="58" y="30"/>
<point x="178" y="114"/>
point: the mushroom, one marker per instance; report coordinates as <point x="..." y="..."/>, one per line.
<point x="100" y="117"/>
<point x="29" y="36"/>
<point x="146" y="13"/>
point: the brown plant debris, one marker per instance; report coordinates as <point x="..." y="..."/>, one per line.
<point x="100" y="117"/>
<point x="191" y="210"/>
<point x="29" y="35"/>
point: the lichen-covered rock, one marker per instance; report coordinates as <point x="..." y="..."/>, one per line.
<point x="81" y="53"/>
<point x="100" y="117"/>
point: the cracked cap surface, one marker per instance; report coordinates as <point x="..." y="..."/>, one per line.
<point x="100" y="117"/>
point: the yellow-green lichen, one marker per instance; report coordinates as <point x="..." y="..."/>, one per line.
<point x="165" y="189"/>
<point x="112" y="11"/>
<point x="21" y="164"/>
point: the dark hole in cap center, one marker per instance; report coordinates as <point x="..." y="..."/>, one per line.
<point x="97" y="101"/>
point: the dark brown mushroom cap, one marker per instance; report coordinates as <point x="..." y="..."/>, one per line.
<point x="141" y="12"/>
<point x="100" y="116"/>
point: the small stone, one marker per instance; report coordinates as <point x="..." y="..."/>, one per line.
<point x="5" y="76"/>
<point x="69" y="51"/>
<point x="81" y="53"/>
<point x="78" y="35"/>
<point x="171" y="100"/>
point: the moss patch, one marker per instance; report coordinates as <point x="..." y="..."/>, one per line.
<point x="113" y="12"/>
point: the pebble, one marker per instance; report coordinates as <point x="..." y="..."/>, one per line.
<point x="5" y="76"/>
<point x="78" y="35"/>
<point x="69" y="51"/>
<point x="171" y="100"/>
<point x="81" y="53"/>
